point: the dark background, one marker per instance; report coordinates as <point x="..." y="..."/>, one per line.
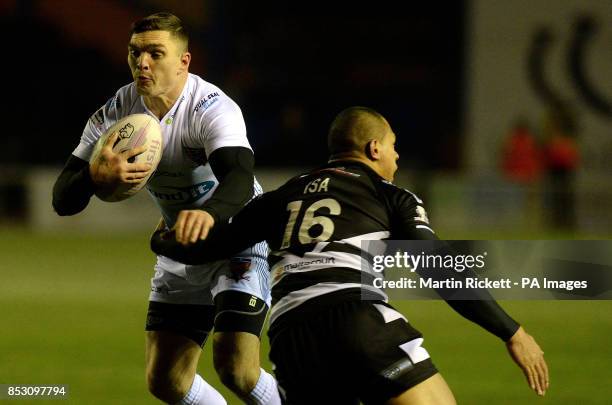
<point x="290" y="67"/>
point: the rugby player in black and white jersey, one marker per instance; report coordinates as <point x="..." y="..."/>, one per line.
<point x="329" y="345"/>
<point x="205" y="176"/>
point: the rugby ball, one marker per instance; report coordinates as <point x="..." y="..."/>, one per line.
<point x="134" y="130"/>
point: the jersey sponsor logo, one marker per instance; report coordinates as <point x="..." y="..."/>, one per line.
<point x="397" y="369"/>
<point x="305" y="264"/>
<point x="184" y="195"/>
<point x="206" y="102"/>
<point x="279" y="272"/>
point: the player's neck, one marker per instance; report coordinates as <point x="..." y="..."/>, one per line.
<point x="160" y="105"/>
<point x="355" y="158"/>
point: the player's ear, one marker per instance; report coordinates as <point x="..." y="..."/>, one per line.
<point x="185" y="60"/>
<point x="372" y="149"/>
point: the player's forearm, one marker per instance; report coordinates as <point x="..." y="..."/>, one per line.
<point x="73" y="188"/>
<point x="220" y="244"/>
<point x="233" y="167"/>
<point x="488" y="314"/>
<point x="475" y="304"/>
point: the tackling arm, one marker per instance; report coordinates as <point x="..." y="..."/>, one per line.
<point x="224" y="240"/>
<point x="481" y="308"/>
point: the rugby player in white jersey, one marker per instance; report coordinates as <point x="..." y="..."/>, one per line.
<point x="205" y="177"/>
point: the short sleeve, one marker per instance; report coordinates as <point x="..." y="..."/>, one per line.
<point x="220" y="124"/>
<point x="409" y="218"/>
<point x="97" y="125"/>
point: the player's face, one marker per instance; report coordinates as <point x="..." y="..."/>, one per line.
<point x="157" y="61"/>
<point x="388" y="155"/>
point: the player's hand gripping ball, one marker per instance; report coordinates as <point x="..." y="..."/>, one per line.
<point x="134" y="131"/>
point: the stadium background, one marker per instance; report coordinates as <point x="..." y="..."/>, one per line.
<point x="452" y="79"/>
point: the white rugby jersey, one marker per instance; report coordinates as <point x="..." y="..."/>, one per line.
<point x="202" y="120"/>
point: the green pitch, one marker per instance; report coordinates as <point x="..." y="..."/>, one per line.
<point x="73" y="309"/>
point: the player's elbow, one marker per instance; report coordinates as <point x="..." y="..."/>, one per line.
<point x="64" y="209"/>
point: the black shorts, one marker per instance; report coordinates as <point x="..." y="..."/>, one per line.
<point x="234" y="311"/>
<point x="348" y="352"/>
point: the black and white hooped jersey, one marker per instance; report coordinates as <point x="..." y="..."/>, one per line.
<point x="202" y="120"/>
<point x="314" y="225"/>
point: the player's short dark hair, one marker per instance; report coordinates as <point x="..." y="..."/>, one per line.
<point x="162" y="22"/>
<point x="352" y="128"/>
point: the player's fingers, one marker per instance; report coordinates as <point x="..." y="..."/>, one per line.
<point x="131" y="181"/>
<point x="195" y="233"/>
<point x="545" y="366"/>
<point x="110" y="141"/>
<point x="202" y="233"/>
<point x="529" y="376"/>
<point x="208" y="223"/>
<point x="536" y="381"/>
<point x="539" y="388"/>
<point x="191" y="230"/>
<point x="139" y="175"/>
<point x="542" y="375"/>
<point x="179" y="226"/>
<point x="130" y="153"/>
<point x="138" y="167"/>
<point x="133" y="176"/>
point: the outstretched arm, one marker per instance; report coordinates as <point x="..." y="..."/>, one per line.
<point x="478" y="306"/>
<point x="482" y="309"/>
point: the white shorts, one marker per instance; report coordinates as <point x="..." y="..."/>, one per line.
<point x="177" y="283"/>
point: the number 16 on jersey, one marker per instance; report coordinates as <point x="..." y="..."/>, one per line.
<point x="310" y="221"/>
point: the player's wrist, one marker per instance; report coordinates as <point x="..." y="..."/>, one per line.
<point x="518" y="335"/>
